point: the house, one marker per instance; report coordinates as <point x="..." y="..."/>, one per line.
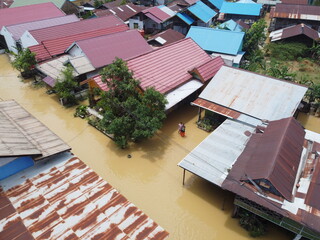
<point x="166" y="37"/>
<point x="219" y="41"/>
<point x="11" y="16"/>
<point x="250" y="97"/>
<point x="277" y="182"/>
<point x="66" y="6"/>
<point x="48" y="193"/>
<point x="152" y="19"/>
<point x="37" y="36"/>
<point x="55" y="47"/>
<point x="12" y="33"/>
<point x="285" y="15"/>
<point x="24" y="140"/>
<point x="124" y="12"/>
<point x="176" y="70"/>
<point x="204" y="15"/>
<point x="247" y="12"/>
<point x="232" y="26"/>
<point x="298" y="33"/>
<point x="88" y="56"/>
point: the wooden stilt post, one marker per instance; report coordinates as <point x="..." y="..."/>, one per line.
<point x="184" y="175"/>
<point x="199" y="114"/>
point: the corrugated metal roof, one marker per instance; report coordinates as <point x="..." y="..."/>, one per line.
<point x="294" y="31"/>
<point x="21" y="132"/>
<point x="167" y="10"/>
<point x="202" y="11"/>
<point x="217" y="3"/>
<point x="103" y="50"/>
<point x="169" y="36"/>
<point x="10" y="16"/>
<point x="69" y="29"/>
<point x="217" y="40"/>
<point x="231" y="25"/>
<point x="167" y="67"/>
<point x="156" y="14"/>
<point x="243" y="24"/>
<point x="190" y="2"/>
<point x="292" y="11"/>
<point x="208" y="70"/>
<point x="251" y="9"/>
<point x="214" y="156"/>
<point x="124" y="12"/>
<point x="275" y="155"/>
<point x="300" y="2"/>
<point x="256" y="95"/>
<point x="65" y="199"/>
<point x="18" y="29"/>
<point x="20" y="3"/>
<point x="41" y="52"/>
<point x="186" y="18"/>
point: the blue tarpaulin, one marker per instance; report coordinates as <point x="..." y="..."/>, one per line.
<point x="184" y="17"/>
<point x="202" y="11"/>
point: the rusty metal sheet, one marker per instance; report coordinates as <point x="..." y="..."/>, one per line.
<point x="65" y="199"/>
<point x="292" y="11"/>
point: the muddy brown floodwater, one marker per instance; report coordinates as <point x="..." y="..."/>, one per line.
<point x="150" y="179"/>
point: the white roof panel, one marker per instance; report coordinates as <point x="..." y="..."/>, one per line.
<point x="215" y="155"/>
<point x="253" y="94"/>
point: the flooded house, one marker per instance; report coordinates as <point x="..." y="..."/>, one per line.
<point x="219" y="42"/>
<point x="11" y="16"/>
<point x="12" y="33"/>
<point x="66" y="6"/>
<point x="48" y="193"/>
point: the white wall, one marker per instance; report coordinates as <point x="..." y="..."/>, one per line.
<point x="132" y="21"/>
<point x="27" y="40"/>
<point x="75" y="51"/>
<point x="11" y="43"/>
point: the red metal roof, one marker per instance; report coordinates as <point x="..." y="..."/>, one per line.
<point x="166" y="68"/>
<point x="298" y="30"/>
<point x="103" y="50"/>
<point x="275" y="155"/>
<point x="156" y="14"/>
<point x="296" y="11"/>
<point x="124" y="12"/>
<point x="58" y="46"/>
<point x="10" y="16"/>
<point x="300" y="2"/>
<point x="208" y="70"/>
<point x="65" y="199"/>
<point x="69" y="29"/>
<point x="41" y="52"/>
<point x="98" y="80"/>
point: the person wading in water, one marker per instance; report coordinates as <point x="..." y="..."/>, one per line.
<point x="182" y="129"/>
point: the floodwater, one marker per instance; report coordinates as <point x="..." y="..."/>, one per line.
<point x="150" y="179"/>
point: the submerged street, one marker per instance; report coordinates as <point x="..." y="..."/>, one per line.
<point x="151" y="178"/>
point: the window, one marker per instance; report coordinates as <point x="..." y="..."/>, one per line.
<point x="135" y="25"/>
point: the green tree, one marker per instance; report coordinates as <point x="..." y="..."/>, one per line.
<point x="24" y="61"/>
<point x="66" y="85"/>
<point x="315" y="51"/>
<point x="254" y="37"/>
<point x="280" y="71"/>
<point x="128" y="113"/>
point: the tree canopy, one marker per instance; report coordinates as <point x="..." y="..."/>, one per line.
<point x="129" y="113"/>
<point x="254" y="37"/>
<point x="24" y="60"/>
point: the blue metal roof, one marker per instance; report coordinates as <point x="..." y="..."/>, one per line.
<point x="251" y="9"/>
<point x="202" y="11"/>
<point x="217" y="3"/>
<point x="231" y="25"/>
<point x="217" y="40"/>
<point x="184" y="17"/>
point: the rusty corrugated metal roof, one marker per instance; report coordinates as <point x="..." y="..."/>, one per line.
<point x="299" y="2"/>
<point x="167" y="67"/>
<point x="296" y="30"/>
<point x="124" y="12"/>
<point x="292" y="11"/>
<point x="275" y="155"/>
<point x="20" y="131"/>
<point x="65" y="199"/>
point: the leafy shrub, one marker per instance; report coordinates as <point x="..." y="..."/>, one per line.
<point x="286" y="51"/>
<point x="255" y="225"/>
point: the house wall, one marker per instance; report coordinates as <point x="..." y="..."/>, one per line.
<point x="132" y="22"/>
<point x="15" y="166"/>
<point x="151" y="26"/>
<point x="11" y="43"/>
<point x="27" y="40"/>
<point x="75" y="51"/>
<point x="203" y="24"/>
